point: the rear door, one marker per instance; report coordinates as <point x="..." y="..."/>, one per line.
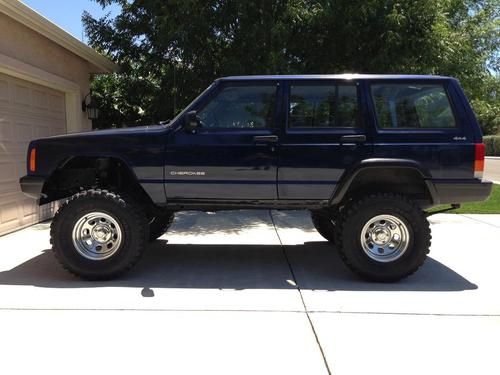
<point x="324" y="135"/>
<point x="232" y="156"/>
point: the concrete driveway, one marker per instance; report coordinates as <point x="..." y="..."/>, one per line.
<point x="254" y="292"/>
<point x="492" y="169"/>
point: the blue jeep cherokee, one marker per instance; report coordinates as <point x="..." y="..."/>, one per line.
<point x="366" y="154"/>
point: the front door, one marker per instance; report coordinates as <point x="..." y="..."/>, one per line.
<point x="324" y="136"/>
<point x="232" y="154"/>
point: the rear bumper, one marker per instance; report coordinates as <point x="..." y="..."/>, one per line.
<point x="32" y="186"/>
<point x="461" y="192"/>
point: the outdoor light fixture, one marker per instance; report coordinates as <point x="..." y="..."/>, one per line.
<point x="90" y="107"/>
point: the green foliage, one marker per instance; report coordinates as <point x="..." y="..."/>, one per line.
<point x="171" y="50"/>
<point x="492" y="143"/>
<point x="488" y="115"/>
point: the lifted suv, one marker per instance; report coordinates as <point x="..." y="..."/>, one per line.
<point x="366" y="154"/>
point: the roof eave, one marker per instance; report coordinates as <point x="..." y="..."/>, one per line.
<point x="35" y="21"/>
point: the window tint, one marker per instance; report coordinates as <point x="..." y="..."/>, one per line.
<point x="240" y="107"/>
<point x="412" y="106"/>
<point x="323" y="106"/>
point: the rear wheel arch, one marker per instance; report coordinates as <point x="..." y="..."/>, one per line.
<point x="404" y="177"/>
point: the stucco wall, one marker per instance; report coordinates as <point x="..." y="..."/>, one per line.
<point x="24" y="44"/>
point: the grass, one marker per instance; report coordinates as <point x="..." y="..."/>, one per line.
<point x="490" y="206"/>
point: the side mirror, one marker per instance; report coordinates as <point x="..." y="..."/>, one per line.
<point x="192" y="122"/>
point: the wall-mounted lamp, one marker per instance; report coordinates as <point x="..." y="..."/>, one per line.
<point x="90" y="107"/>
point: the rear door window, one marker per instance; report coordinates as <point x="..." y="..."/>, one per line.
<point x="412" y="106"/>
<point x="323" y="106"/>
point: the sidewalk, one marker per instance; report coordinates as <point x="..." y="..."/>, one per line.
<point x="233" y="293"/>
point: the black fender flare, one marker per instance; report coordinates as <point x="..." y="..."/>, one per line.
<point x="64" y="161"/>
<point x="375" y="163"/>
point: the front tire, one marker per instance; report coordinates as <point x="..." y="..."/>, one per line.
<point x="383" y="237"/>
<point x="160" y="224"/>
<point x="98" y="234"/>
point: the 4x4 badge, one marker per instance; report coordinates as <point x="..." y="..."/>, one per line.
<point x="459" y="138"/>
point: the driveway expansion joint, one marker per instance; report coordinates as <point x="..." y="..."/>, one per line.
<point x="301" y="296"/>
<point x="479" y="221"/>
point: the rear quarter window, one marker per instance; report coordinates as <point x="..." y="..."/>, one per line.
<point x="412" y="106"/>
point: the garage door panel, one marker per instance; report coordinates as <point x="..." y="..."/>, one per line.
<point x="42" y="131"/>
<point x="8" y="150"/>
<point x="8" y="212"/>
<point x="6" y="130"/>
<point x="12" y="213"/>
<point x="22" y="95"/>
<point x="57" y="104"/>
<point x="40" y="100"/>
<point x="24" y="132"/>
<point x="50" y="127"/>
<point x="29" y="208"/>
<point x="27" y="111"/>
<point x="8" y="187"/>
<point x="29" y="114"/>
<point x="7" y="171"/>
<point x="4" y="91"/>
<point x="21" y="169"/>
<point x="58" y="131"/>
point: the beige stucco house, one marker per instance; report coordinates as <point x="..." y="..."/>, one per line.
<point x="44" y="76"/>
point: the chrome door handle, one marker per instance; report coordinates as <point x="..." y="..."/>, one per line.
<point x="355" y="138"/>
<point x="265" y="139"/>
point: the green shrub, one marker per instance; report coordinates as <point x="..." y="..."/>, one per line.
<point x="488" y="115"/>
<point x="492" y="143"/>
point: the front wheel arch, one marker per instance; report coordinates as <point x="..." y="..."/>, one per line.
<point x="80" y="173"/>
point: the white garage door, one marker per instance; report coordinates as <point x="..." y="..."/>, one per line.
<point x="27" y="111"/>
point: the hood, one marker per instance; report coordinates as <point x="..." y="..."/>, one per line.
<point x="128" y="144"/>
<point x="110" y="132"/>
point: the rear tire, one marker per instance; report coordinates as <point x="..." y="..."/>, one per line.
<point x="383" y="237"/>
<point x="98" y="235"/>
<point x="324" y="224"/>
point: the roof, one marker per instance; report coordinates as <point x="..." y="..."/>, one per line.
<point x="25" y="15"/>
<point x="346" y="76"/>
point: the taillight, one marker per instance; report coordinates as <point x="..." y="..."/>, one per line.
<point x="479" y="152"/>
<point x="32" y="161"/>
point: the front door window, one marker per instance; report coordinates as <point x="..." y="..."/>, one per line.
<point x="240" y="107"/>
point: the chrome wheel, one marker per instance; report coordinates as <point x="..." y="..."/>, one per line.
<point x="97" y="236"/>
<point x="385" y="238"/>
